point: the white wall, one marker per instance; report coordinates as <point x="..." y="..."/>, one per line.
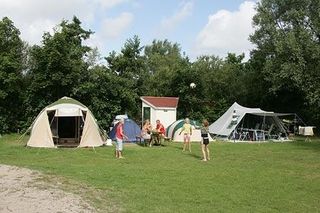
<point x="166" y="115"/>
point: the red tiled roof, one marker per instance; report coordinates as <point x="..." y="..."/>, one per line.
<point x="170" y="102"/>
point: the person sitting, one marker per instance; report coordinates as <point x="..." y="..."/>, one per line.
<point x="161" y="130"/>
<point x="146" y="131"/>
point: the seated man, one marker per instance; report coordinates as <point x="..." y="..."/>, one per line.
<point x="161" y="130"/>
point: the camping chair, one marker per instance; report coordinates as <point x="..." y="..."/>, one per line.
<point x="244" y="135"/>
<point x="271" y="136"/>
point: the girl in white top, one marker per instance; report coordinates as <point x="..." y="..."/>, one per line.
<point x="146" y="130"/>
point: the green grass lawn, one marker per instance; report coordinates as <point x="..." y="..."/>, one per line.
<point x="241" y="177"/>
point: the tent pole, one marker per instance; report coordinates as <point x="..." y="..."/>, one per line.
<point x="22" y="136"/>
<point x="58" y="129"/>
<point x="263" y="127"/>
<point x="76" y="128"/>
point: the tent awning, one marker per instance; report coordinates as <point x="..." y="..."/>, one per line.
<point x="268" y="113"/>
<point x="68" y="112"/>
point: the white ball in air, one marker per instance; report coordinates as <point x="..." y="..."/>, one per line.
<point x="192" y="85"/>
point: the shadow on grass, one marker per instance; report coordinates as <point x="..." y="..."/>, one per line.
<point x="180" y="147"/>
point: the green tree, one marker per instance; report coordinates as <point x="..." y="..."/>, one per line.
<point x="130" y="67"/>
<point x="163" y="61"/>
<point x="220" y="83"/>
<point x="58" y="66"/>
<point x="104" y="93"/>
<point x="11" y="77"/>
<point x="287" y="39"/>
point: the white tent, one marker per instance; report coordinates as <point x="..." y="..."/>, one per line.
<point x="244" y="123"/>
<point x="174" y="129"/>
<point x="65" y="122"/>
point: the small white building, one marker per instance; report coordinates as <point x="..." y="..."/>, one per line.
<point x="162" y="108"/>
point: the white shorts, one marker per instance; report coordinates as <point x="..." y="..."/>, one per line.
<point x="119" y="144"/>
<point x="146" y="136"/>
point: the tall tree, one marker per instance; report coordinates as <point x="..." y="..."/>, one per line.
<point x="287" y="40"/>
<point x="57" y="66"/>
<point x="129" y="66"/>
<point x="220" y="83"/>
<point x="104" y="93"/>
<point x="163" y="61"/>
<point x="11" y="78"/>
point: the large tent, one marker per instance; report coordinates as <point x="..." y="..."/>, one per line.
<point x="130" y="129"/>
<point x="174" y="129"/>
<point x="242" y="123"/>
<point x="63" y="123"/>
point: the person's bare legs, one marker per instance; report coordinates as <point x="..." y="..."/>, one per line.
<point x="203" y="152"/>
<point x="184" y="143"/>
<point x="120" y="154"/>
<point x="207" y="151"/>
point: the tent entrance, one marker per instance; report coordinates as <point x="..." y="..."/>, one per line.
<point x="67" y="130"/>
<point x="256" y="128"/>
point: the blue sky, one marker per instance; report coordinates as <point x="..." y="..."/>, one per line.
<point x="200" y="26"/>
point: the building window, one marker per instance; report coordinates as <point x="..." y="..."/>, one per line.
<point x="146" y="113"/>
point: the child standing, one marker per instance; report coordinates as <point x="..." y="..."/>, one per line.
<point x="119" y="138"/>
<point x="205" y="140"/>
<point x="187" y="132"/>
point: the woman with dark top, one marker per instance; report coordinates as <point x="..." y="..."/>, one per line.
<point x="205" y="140"/>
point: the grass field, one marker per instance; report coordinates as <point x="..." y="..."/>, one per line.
<point x="241" y="177"/>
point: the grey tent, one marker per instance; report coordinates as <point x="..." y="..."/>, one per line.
<point x="243" y="123"/>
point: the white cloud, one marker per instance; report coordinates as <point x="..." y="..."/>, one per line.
<point x="227" y="31"/>
<point x="170" y="23"/>
<point x="110" y="3"/>
<point x="34" y="17"/>
<point x="113" y="27"/>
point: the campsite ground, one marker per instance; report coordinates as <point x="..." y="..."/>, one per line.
<point x="241" y="177"/>
<point x="24" y="190"/>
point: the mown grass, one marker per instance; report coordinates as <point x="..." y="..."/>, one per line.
<point x="241" y="177"/>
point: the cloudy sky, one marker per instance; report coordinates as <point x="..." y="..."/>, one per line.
<point x="199" y="26"/>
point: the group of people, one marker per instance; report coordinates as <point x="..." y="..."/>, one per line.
<point x="147" y="133"/>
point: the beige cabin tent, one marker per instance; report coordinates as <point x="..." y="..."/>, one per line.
<point x="65" y="122"/>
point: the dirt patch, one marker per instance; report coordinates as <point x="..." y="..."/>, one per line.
<point x="21" y="190"/>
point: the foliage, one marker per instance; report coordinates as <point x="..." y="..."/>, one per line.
<point x="105" y="94"/>
<point x="129" y="66"/>
<point x="287" y="37"/>
<point x="11" y="78"/>
<point x="163" y="60"/>
<point x="281" y="75"/>
<point x="57" y="66"/>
